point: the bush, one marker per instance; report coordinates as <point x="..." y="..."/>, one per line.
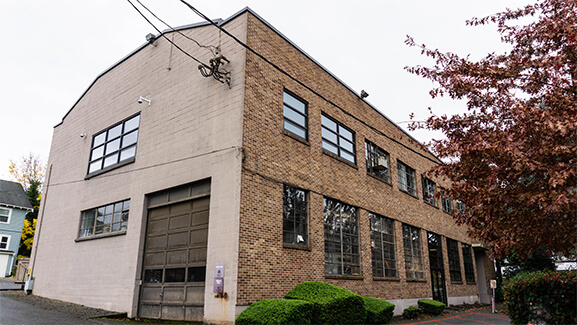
<point x="411" y="312"/>
<point x="333" y="305"/>
<point x="277" y="311"/>
<point x="542" y="297"/>
<point x="378" y="311"/>
<point x="431" y="306"/>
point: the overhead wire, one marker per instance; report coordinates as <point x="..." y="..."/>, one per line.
<point x="281" y="70"/>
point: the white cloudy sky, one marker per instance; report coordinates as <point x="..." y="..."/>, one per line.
<point x="52" y="50"/>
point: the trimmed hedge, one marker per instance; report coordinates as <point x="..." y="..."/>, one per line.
<point x="431" y="306"/>
<point x="378" y="311"/>
<point x="333" y="305"/>
<point x="542" y="297"/>
<point x="411" y="312"/>
<point x="277" y="311"/>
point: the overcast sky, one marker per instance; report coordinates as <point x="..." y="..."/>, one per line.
<point x="53" y="50"/>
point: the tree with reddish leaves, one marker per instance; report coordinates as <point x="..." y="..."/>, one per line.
<point x="512" y="157"/>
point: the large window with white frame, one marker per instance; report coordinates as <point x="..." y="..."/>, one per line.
<point x="383" y="246"/>
<point x="377" y="161"/>
<point x="295" y="113"/>
<point x="5" y="214"/>
<point x="106" y="219"/>
<point x="4" y="241"/>
<point x="413" y="253"/>
<point x="406" y="178"/>
<point x="115" y="145"/>
<point x="338" y="139"/>
<point x="342" y="253"/>
<point x="295" y="216"/>
<point x="429" y="191"/>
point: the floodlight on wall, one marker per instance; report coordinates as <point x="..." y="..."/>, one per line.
<point x="82" y="135"/>
<point x="150" y="38"/>
<point x="142" y="99"/>
<point x="364" y="94"/>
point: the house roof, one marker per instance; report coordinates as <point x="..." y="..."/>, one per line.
<point x="12" y="194"/>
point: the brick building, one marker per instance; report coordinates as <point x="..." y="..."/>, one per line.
<point x="283" y="176"/>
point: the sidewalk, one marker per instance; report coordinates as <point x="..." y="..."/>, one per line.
<point x="8" y="284"/>
<point x="479" y="316"/>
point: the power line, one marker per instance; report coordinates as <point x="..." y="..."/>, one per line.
<point x="305" y="85"/>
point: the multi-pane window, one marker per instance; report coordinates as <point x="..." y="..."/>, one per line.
<point x="413" y="252"/>
<point x="460" y="206"/>
<point x="383" y="246"/>
<point x="454" y="261"/>
<point x="468" y="263"/>
<point x="4" y="241"/>
<point x="406" y="178"/>
<point x="114" y="145"/>
<point x="377" y="161"/>
<point x="447" y="202"/>
<point x="295" y="115"/>
<point x="5" y="215"/>
<point x="338" y="139"/>
<point x="341" y="238"/>
<point x="295" y="216"/>
<point x="105" y="219"/>
<point x="429" y="190"/>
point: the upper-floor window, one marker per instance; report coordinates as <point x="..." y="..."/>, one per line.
<point x="383" y="246"/>
<point x="406" y="178"/>
<point x="429" y="191"/>
<point x="377" y="161"/>
<point x="342" y="253"/>
<point x="105" y="219"/>
<point x="4" y="241"/>
<point x="295" y="115"/>
<point x="413" y="253"/>
<point x="447" y="202"/>
<point x="338" y="139"/>
<point x="460" y="206"/>
<point x="454" y="260"/>
<point x="5" y="214"/>
<point x="114" y="145"/>
<point x="295" y="216"/>
<point x="468" y="263"/>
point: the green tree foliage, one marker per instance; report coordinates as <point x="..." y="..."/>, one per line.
<point x="538" y="261"/>
<point x="512" y="157"/>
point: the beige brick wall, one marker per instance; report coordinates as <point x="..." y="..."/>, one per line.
<point x="266" y="268"/>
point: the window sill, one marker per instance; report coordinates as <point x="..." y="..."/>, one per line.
<point x="297" y="247"/>
<point x="344" y="277"/>
<point x="109" y="168"/>
<point x="346" y="162"/>
<point x="380" y="179"/>
<point x="471" y="283"/>
<point x="414" y="196"/>
<point x="296" y="137"/>
<point x="386" y="279"/>
<point x="456" y="282"/>
<point x="417" y="281"/>
<point x="431" y="204"/>
<point x="110" y="234"/>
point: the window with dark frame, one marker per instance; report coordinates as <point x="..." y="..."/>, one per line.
<point x="114" y="145"/>
<point x="406" y="178"/>
<point x="105" y="219"/>
<point x="454" y="260"/>
<point x="383" y="246"/>
<point x="4" y="241"/>
<point x="5" y="215"/>
<point x="468" y="263"/>
<point x="295" y="113"/>
<point x="446" y="201"/>
<point x="377" y="161"/>
<point x="342" y="254"/>
<point x="429" y="191"/>
<point x="413" y="253"/>
<point x="338" y="139"/>
<point x="295" y="216"/>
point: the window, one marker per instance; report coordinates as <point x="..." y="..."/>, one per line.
<point x="377" y="161"/>
<point x="295" y="216"/>
<point x="295" y="115"/>
<point x="114" y="145"/>
<point x="447" y="202"/>
<point x="341" y="239"/>
<point x="5" y="214"/>
<point x="468" y="263"/>
<point x="460" y="206"/>
<point x="454" y="262"/>
<point x="4" y="241"/>
<point x="337" y="139"/>
<point x="406" y="178"/>
<point x="429" y="190"/>
<point x="383" y="246"/>
<point x="105" y="219"/>
<point x="413" y="253"/>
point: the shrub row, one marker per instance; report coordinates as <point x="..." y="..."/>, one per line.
<point x="431" y="306"/>
<point x="318" y="303"/>
<point x="542" y="297"/>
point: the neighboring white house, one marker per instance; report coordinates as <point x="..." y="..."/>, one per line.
<point x="14" y="205"/>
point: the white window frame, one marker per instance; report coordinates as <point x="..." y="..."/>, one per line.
<point x="107" y="218"/>
<point x="7" y="242"/>
<point x="295" y="109"/>
<point x="9" y="215"/>
<point x="407" y="178"/>
<point x="429" y="191"/>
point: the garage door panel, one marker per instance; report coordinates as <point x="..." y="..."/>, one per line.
<point x="154" y="259"/>
<point x="177" y="257"/>
<point x="198" y="237"/>
<point x="178" y="222"/>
